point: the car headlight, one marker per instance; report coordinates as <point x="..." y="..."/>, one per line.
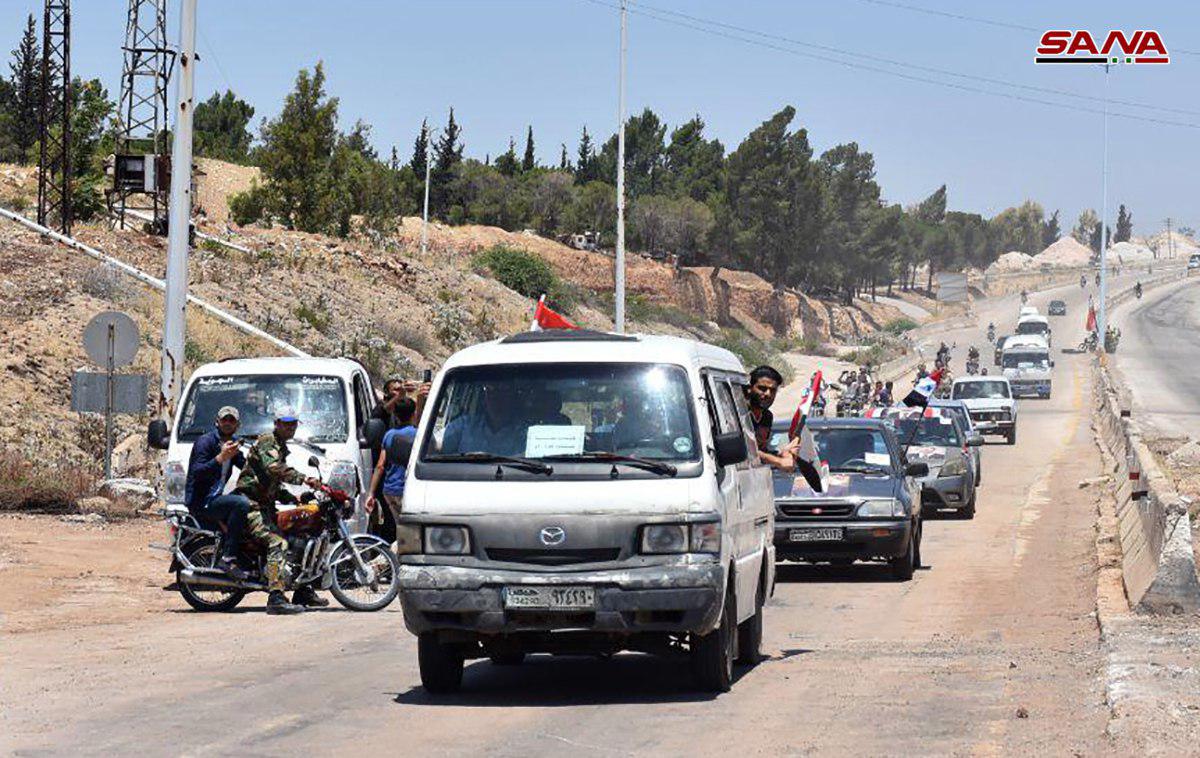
<point x="343" y="475"/>
<point x="1006" y="414"/>
<point x="954" y="467"/>
<point x="888" y="508"/>
<point x="447" y="540"/>
<point x="174" y="482"/>
<point x="672" y="539"/>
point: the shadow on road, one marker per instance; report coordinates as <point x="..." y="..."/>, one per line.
<point x="807" y="572"/>
<point x="557" y="682"/>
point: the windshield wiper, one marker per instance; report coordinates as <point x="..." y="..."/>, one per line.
<point x="658" y="467"/>
<point x="478" y="456"/>
<point x="309" y="445"/>
<point x="862" y="468"/>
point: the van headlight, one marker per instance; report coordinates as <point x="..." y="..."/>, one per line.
<point x="447" y="540"/>
<point x="883" y="508"/>
<point x="343" y="475"/>
<point x="672" y="539"/>
<point x="174" y="482"/>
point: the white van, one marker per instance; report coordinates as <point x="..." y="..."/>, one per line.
<point x="332" y="396"/>
<point x="1027" y="365"/>
<point x="582" y="492"/>
<point x="1035" y="325"/>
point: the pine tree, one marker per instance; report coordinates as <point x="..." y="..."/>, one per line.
<point x="448" y="153"/>
<point x="1124" y="228"/>
<point x="420" y="151"/>
<point x="1050" y="230"/>
<point x="585" y="160"/>
<point x="394" y="163"/>
<point x="564" y="163"/>
<point x="222" y="128"/>
<point x="506" y="163"/>
<point x="25" y="114"/>
<point x="527" y="163"/>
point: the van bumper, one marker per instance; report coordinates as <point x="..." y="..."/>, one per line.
<point x="685" y="597"/>
<point x="861" y="540"/>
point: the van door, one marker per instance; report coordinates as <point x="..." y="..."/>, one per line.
<point x="757" y="493"/>
<point x="363" y="403"/>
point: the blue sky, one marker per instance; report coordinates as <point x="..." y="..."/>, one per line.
<point x="504" y="64"/>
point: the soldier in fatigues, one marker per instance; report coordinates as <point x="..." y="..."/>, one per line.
<point x="266" y="470"/>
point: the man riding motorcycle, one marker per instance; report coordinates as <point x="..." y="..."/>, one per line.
<point x="1082" y="282"/>
<point x="1137" y="290"/>
<point x="261" y="480"/>
<point x="991" y="334"/>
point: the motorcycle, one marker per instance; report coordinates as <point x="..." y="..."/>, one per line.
<point x="1089" y="343"/>
<point x="972" y="366"/>
<point x="1112" y="337"/>
<point x="359" y="570"/>
<point x="1137" y="290"/>
<point x="991" y="335"/>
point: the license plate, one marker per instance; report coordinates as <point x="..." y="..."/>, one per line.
<point x="815" y="535"/>
<point x="550" y="598"/>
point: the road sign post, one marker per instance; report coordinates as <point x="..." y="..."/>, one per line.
<point x="110" y="339"/>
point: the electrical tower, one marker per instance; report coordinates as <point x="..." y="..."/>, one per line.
<point x="141" y="168"/>
<point x="54" y="131"/>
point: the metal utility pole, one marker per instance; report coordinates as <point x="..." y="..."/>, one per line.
<point x="1102" y="321"/>
<point x="1170" y="240"/>
<point x="179" y="224"/>
<point x="619" y="262"/>
<point x="54" y="156"/>
<point x="428" y="166"/>
<point x="140" y="169"/>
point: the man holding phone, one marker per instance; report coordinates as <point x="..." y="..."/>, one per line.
<point x="212" y="460"/>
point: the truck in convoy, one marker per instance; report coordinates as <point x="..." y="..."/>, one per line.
<point x="1027" y="365"/>
<point x="1036" y="325"/>
<point x="332" y="397"/>
<point x="582" y="493"/>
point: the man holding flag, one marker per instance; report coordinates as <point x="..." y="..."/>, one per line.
<point x="800" y="452"/>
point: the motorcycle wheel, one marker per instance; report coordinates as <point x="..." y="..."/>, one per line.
<point x="359" y="597"/>
<point x="203" y="553"/>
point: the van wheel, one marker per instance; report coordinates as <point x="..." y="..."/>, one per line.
<point x="920" y="526"/>
<point x="750" y="633"/>
<point x="712" y="654"/>
<point x="441" y="665"/>
<point x="1012" y="436"/>
<point x="903" y="566"/>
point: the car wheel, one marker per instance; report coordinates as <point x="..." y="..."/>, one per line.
<point x="968" y="512"/>
<point x="507" y="659"/>
<point x="917" y="548"/>
<point x="1012" y="436"/>
<point x="712" y="654"/>
<point x="903" y="566"/>
<point x="750" y="633"/>
<point x="441" y="665"/>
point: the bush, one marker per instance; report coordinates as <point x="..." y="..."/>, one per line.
<point x="53" y="489"/>
<point x="318" y="318"/>
<point x="523" y="272"/>
<point x="644" y="310"/>
<point x="249" y="206"/>
<point x="900" y="325"/>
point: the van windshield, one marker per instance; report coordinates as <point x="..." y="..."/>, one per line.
<point x="934" y="431"/>
<point x="564" y="410"/>
<point x="980" y="390"/>
<point x="1015" y="359"/>
<point x="319" y="401"/>
<point x="1032" y="327"/>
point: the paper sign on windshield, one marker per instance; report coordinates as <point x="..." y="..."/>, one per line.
<point x="546" y="439"/>
<point x="878" y="459"/>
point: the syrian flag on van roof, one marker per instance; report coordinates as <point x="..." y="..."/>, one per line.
<point x="544" y="317"/>
<point x="919" y="397"/>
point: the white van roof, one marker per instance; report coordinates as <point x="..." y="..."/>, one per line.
<point x="978" y="378"/>
<point x="583" y="346"/>
<point x="341" y="367"/>
<point x="1033" y="319"/>
<point x="1018" y="341"/>
<point x="1028" y="310"/>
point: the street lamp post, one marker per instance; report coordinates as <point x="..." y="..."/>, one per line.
<point x="619" y="262"/>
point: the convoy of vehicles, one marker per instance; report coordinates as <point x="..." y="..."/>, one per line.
<point x="576" y="492"/>
<point x="934" y="437"/>
<point x="1027" y="366"/>
<point x="870" y="508"/>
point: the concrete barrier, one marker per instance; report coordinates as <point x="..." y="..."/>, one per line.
<point x="1157" y="561"/>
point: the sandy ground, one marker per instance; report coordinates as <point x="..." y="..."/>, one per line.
<point x="993" y="647"/>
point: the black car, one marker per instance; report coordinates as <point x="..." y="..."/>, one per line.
<point x="870" y="509"/>
<point x="1057" y="308"/>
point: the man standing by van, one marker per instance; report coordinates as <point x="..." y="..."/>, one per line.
<point x="392" y="468"/>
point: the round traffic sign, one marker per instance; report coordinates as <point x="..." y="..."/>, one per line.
<point x="124" y="338"/>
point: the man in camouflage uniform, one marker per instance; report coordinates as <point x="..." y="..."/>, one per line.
<point x="261" y="480"/>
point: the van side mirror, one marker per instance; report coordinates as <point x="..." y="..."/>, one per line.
<point x="917" y="469"/>
<point x="314" y="462"/>
<point x="730" y="448"/>
<point x="1051" y="364"/>
<point x="158" y="435"/>
<point x="974" y="441"/>
<point x="372" y="433"/>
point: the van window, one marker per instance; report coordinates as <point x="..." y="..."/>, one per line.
<point x="564" y="409"/>
<point x="743" y="409"/>
<point x="362" y="400"/>
<point x="1025" y="358"/>
<point x="319" y="401"/>
<point x="1033" y="327"/>
<point x="988" y="390"/>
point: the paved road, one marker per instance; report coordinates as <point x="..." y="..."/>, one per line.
<point x="992" y="648"/>
<point x="1159" y="355"/>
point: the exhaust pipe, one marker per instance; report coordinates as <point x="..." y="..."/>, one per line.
<point x="189" y="576"/>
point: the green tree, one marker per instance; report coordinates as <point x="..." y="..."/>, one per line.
<point x="297" y="154"/>
<point x="564" y="163"/>
<point x="1019" y="228"/>
<point x="420" y="152"/>
<point x="527" y="162"/>
<point x="850" y="198"/>
<point x="1051" y="231"/>
<point x="969" y="239"/>
<point x="506" y="162"/>
<point x="644" y="150"/>
<point x="694" y="166"/>
<point x="585" y="160"/>
<point x="21" y="127"/>
<point x="448" y="153"/>
<point x="551" y="194"/>
<point x="594" y="209"/>
<point x="1124" y="229"/>
<point x="1085" y="228"/>
<point x="221" y="128"/>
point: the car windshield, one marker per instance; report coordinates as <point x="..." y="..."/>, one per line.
<point x="1032" y="327"/>
<point x="1018" y="359"/>
<point x="849" y="449"/>
<point x="564" y="410"/>
<point x="936" y="431"/>
<point x="319" y="402"/>
<point x="980" y="390"/>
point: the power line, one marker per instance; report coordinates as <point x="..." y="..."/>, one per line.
<point x="979" y="19"/>
<point x="915" y="66"/>
<point x="887" y="72"/>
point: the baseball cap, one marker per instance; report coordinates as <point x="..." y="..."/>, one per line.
<point x="286" y="414"/>
<point x="229" y="410"/>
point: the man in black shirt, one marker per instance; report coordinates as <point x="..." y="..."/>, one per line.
<point x="764" y="385"/>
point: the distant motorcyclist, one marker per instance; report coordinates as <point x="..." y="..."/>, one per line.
<point x="262" y="481"/>
<point x="1082" y="282"/>
<point x="991" y="333"/>
<point x="1024" y="297"/>
<point x="972" y="353"/>
<point x="1137" y="289"/>
<point x="1097" y="278"/>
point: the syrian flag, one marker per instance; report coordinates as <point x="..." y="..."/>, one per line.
<point x="1090" y="324"/>
<point x="546" y="318"/>
<point x="919" y="397"/>
<point x="806" y="401"/>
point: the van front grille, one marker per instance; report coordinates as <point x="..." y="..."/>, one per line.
<point x="565" y="557"/>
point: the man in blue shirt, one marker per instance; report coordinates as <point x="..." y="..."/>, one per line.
<point x="392" y="468"/>
<point x="212" y="460"/>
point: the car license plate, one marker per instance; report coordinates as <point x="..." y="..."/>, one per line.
<point x="827" y="534"/>
<point x="550" y="598"/>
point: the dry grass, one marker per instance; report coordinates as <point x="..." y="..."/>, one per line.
<point x="41" y="489"/>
